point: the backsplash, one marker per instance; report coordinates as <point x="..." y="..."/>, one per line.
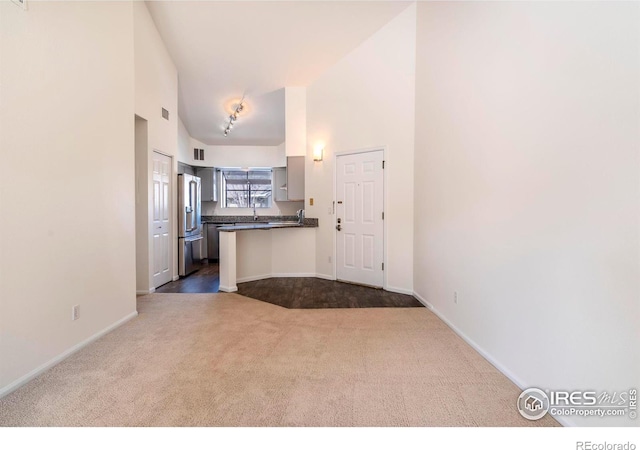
<point x="308" y="222"/>
<point x="208" y="208"/>
<point x="279" y="209"/>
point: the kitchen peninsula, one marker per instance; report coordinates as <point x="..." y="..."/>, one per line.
<point x="270" y="246"/>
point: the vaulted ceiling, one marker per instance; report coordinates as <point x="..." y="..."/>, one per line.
<point x="224" y="50"/>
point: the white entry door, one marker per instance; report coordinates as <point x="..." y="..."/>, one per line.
<point x="359" y="218"/>
<point x="161" y="229"/>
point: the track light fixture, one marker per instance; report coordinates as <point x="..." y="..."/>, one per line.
<point x="233" y="117"/>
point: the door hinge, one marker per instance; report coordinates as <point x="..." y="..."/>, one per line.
<point x="382" y="266"/>
<point x="383" y="164"/>
<point x="382" y="215"/>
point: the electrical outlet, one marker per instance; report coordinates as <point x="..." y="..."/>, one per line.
<point x="455" y="297"/>
<point x="75" y="312"/>
<point x="330" y="211"/>
<point x="311" y="201"/>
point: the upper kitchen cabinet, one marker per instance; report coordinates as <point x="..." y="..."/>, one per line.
<point x="280" y="184"/>
<point x="295" y="178"/>
<point x="208" y="183"/>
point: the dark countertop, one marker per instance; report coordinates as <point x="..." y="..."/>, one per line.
<point x="237" y="223"/>
<point x="239" y="219"/>
<point x="259" y="226"/>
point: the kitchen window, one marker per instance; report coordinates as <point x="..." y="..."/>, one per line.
<point x="246" y="188"/>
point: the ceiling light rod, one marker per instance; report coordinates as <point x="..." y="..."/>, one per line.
<point x="233" y="117"/>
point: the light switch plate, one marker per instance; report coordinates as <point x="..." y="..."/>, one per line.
<point x="311" y="201"/>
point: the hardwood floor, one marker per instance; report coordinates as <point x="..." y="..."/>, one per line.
<point x="205" y="280"/>
<point x="313" y="293"/>
<point x="293" y="293"/>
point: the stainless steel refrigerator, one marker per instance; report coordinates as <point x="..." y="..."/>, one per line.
<point x="189" y="226"/>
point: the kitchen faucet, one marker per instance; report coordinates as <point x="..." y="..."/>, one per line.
<point x="255" y="215"/>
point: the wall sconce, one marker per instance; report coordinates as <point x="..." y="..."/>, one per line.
<point x="317" y="152"/>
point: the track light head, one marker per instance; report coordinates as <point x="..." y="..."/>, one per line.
<point x="234" y="116"/>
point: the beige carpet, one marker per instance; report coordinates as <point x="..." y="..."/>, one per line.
<point x="226" y="360"/>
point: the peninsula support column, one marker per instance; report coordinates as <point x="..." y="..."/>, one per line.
<point x="228" y="261"/>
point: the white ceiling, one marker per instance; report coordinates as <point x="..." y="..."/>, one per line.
<point x="223" y="50"/>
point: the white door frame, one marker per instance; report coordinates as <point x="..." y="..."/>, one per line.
<point x="382" y="148"/>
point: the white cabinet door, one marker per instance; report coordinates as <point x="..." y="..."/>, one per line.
<point x="208" y="183"/>
<point x="280" y="184"/>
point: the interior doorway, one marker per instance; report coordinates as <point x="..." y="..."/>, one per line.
<point x="153" y="177"/>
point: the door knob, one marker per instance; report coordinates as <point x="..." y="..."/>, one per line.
<point x="338" y="227"/>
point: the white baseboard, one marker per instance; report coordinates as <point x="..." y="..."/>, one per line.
<point x="62" y="356"/>
<point x="564" y="421"/>
<point x="228" y="289"/>
<point x="293" y="275"/>
<point x="175" y="278"/>
<point x="253" y="278"/>
<point x="422" y="300"/>
<point x="399" y="290"/>
<point x="325" y="277"/>
<point x="275" y="275"/>
<point x="145" y="292"/>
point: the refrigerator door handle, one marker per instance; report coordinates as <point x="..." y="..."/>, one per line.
<point x="193" y="198"/>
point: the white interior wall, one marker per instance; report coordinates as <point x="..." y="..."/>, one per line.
<point x="295" y="107"/>
<point x="527" y="186"/>
<point x="185" y="151"/>
<point x="367" y="101"/>
<point x="240" y="155"/>
<point x="67" y="190"/>
<point x="229" y="155"/>
<point x="156" y="87"/>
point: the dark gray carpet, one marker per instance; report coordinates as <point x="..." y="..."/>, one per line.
<point x="313" y="293"/>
